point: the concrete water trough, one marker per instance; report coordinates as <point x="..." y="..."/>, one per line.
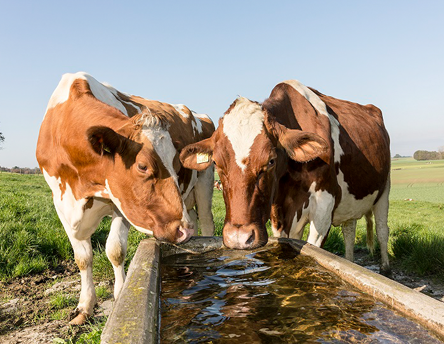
<point x="136" y="314"/>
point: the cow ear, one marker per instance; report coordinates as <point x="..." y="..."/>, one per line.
<point x="301" y="146"/>
<point x="198" y="156"/>
<point x="104" y="140"/>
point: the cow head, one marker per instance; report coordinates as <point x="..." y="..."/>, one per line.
<point x="250" y="150"/>
<point x="141" y="166"/>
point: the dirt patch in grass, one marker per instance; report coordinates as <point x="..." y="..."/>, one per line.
<point x="30" y="315"/>
<point x="36" y="309"/>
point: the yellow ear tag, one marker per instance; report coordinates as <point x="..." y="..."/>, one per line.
<point x="202" y="158"/>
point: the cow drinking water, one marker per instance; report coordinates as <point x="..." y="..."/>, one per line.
<point x="105" y="153"/>
<point x="300" y="157"/>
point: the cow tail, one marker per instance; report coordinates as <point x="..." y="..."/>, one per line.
<point x="370" y="242"/>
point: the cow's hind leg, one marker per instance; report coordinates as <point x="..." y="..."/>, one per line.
<point x="349" y="232"/>
<point x="116" y="248"/>
<point x="380" y="210"/>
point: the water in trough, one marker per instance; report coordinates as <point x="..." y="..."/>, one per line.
<point x="271" y="295"/>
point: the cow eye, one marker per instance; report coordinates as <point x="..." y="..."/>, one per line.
<point x="142" y="168"/>
<point x="271" y="162"/>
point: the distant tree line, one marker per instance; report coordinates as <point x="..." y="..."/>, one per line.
<point x="21" y="170"/>
<point x="426" y="155"/>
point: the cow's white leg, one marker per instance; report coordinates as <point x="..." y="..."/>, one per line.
<point x="321" y="210"/>
<point x="380" y="210"/>
<point x="83" y="257"/>
<point x="297" y="226"/>
<point x="116" y="248"/>
<point x="80" y="219"/>
<point x="349" y="232"/>
<point x="203" y="191"/>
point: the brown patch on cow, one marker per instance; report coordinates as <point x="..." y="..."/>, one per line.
<point x="89" y="204"/>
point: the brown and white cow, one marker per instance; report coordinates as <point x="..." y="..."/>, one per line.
<point x="300" y="157"/>
<point x="105" y="153"/>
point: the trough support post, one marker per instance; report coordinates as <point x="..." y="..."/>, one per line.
<point x="135" y="315"/>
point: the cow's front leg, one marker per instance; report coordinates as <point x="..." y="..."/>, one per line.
<point x="83" y="256"/>
<point x="321" y="214"/>
<point x="80" y="222"/>
<point x="116" y="248"/>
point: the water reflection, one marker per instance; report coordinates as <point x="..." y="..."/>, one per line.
<point x="270" y="296"/>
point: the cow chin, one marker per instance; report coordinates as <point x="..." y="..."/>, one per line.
<point x="244" y="237"/>
<point x="176" y="232"/>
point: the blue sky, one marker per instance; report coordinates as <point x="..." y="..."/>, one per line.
<point x="206" y="53"/>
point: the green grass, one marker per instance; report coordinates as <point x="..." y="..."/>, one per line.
<point x="417" y="180"/>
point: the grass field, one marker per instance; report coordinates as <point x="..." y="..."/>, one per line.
<point x="417" y="180"/>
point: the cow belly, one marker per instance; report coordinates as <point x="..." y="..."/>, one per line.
<point x="351" y="208"/>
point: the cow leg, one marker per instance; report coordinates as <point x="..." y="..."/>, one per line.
<point x="321" y="210"/>
<point x="80" y="219"/>
<point x="83" y="256"/>
<point x="116" y="248"/>
<point x="203" y="191"/>
<point x="277" y="225"/>
<point x="380" y="210"/>
<point x="297" y="227"/>
<point x="349" y="232"/>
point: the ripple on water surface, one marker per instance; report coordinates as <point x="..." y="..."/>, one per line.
<point x="271" y="295"/>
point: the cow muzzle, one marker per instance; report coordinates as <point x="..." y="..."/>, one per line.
<point x="176" y="232"/>
<point x="184" y="232"/>
<point x="244" y="237"/>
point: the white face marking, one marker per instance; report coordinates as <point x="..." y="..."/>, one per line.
<point x="320" y="107"/>
<point x="241" y="126"/>
<point x="163" y="145"/>
<point x="102" y="92"/>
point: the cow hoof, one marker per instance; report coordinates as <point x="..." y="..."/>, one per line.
<point x="79" y="318"/>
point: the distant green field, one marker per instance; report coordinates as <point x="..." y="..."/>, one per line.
<point x="417" y="180"/>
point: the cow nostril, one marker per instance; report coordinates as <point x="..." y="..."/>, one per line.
<point x="180" y="232"/>
<point x="251" y="238"/>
